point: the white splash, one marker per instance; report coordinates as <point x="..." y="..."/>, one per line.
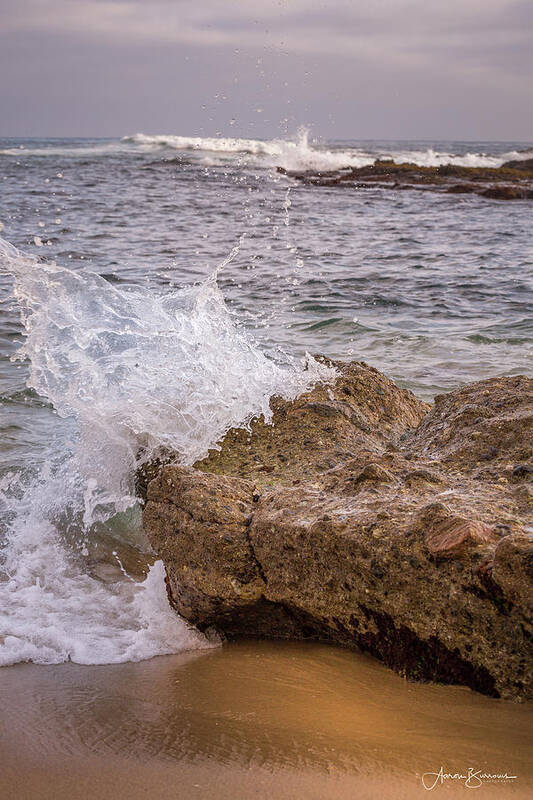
<point x="294" y="153"/>
<point x="299" y="154"/>
<point x="291" y="154"/>
<point x="128" y="371"/>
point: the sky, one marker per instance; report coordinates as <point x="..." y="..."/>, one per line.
<point x="346" y="69"/>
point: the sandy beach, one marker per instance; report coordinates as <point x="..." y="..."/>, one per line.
<point x="264" y="720"/>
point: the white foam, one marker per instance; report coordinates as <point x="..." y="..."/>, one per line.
<point x="299" y="154"/>
<point x="293" y="154"/>
<point x="70" y="150"/>
<point x="205" y="144"/>
<point x="52" y="611"/>
<point x="435" y="158"/>
<point x="128" y="372"/>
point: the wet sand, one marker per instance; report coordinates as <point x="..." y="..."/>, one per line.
<point x="252" y="720"/>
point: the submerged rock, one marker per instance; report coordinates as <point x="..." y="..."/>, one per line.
<point x="364" y="517"/>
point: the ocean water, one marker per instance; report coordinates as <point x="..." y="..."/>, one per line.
<point x="158" y="289"/>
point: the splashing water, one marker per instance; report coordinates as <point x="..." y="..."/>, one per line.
<point x="128" y="372"/>
<point x="296" y="153"/>
<point x="299" y="154"/>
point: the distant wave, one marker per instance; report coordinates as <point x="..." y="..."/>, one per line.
<point x="293" y="154"/>
<point x="74" y="150"/>
<point x="299" y="154"/>
<point x="208" y="144"/>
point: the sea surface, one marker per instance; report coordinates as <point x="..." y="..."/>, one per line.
<point x="158" y="289"/>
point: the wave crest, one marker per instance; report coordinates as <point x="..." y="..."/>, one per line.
<point x="293" y="154"/>
<point x="128" y="372"/>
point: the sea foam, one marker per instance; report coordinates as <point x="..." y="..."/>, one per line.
<point x="295" y="153"/>
<point x="128" y="371"/>
<point x="299" y="154"/>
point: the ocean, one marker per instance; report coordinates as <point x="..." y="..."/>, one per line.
<point x="156" y="290"/>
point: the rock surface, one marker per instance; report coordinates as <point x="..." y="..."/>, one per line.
<point x="511" y="181"/>
<point x="525" y="164"/>
<point x="364" y="517"/>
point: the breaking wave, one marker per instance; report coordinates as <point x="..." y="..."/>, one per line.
<point x="301" y="155"/>
<point x="126" y="371"/>
<point x="293" y="154"/>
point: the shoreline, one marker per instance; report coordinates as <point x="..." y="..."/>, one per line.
<point x="251" y="719"/>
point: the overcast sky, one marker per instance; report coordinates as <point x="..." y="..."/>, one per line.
<point x="385" y="69"/>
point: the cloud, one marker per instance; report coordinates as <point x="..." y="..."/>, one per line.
<point x="301" y="25"/>
<point x="402" y="33"/>
<point x="409" y="33"/>
<point x="474" y="48"/>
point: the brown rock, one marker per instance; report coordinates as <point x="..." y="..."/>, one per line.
<point x="487" y="421"/>
<point x="373" y="473"/>
<point x="513" y="569"/>
<point x="511" y="181"/>
<point x="461" y="188"/>
<point x="454" y="535"/>
<point x="526" y="165"/>
<point x="362" y="413"/>
<point x="504" y="192"/>
<point x="196" y="523"/>
<point x="363" y="517"/>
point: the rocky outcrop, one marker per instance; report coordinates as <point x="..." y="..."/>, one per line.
<point x="525" y="164"/>
<point x="364" y="517"/>
<point x="511" y="181"/>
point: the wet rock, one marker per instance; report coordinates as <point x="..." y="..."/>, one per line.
<point x="511" y="181"/>
<point x="513" y="569"/>
<point x="505" y="192"/>
<point x="523" y="471"/>
<point x="461" y="188"/>
<point x="200" y="530"/>
<point x="363" y="412"/>
<point x="377" y="525"/>
<point x="452" y="431"/>
<point x="452" y="536"/>
<point x="373" y="473"/>
<point x="526" y="165"/>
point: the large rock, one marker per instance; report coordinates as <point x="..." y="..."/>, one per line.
<point x="363" y="517"/>
<point x="511" y="181"/>
<point x="525" y="165"/>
